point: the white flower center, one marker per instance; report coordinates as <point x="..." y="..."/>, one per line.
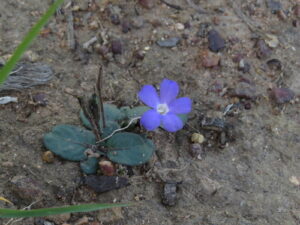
<point x="162" y="109"/>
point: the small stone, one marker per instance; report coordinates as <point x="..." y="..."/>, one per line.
<point x="244" y="66"/>
<point x="148" y="4"/>
<point x="107" y="168"/>
<point x="295" y="180"/>
<point x="94" y="25"/>
<point x="282" y="95"/>
<point x="115" y="19"/>
<point x="111" y="216"/>
<point x="48" y="157"/>
<point x="244" y="90"/>
<point x="274" y="6"/>
<point x="296" y="23"/>
<point x="82" y="221"/>
<point x="137" y="22"/>
<point x="297" y="10"/>
<point x="140" y="54"/>
<point x="263" y="51"/>
<point x="105" y="183"/>
<point x="26" y="188"/>
<point x="209" y="59"/>
<point x="40" y="99"/>
<point x="271" y="40"/>
<point x="217" y="86"/>
<point x="59" y="219"/>
<point x="209" y="186"/>
<point x="169" y="43"/>
<point x="31" y="56"/>
<point x="196" y="151"/>
<point x="179" y="26"/>
<point x="215" y="41"/>
<point x="126" y="26"/>
<point x="197" y="138"/>
<point x="169" y="194"/>
<point x="203" y="30"/>
<point x="281" y="15"/>
<point x="274" y="64"/>
<point x="116" y="47"/>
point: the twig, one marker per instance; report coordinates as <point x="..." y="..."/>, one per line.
<point x="70" y="31"/>
<point x="87" y="44"/>
<point x="99" y="94"/>
<point x="172" y="5"/>
<point x="194" y="6"/>
<point x="21" y="67"/>
<point x="120" y="129"/>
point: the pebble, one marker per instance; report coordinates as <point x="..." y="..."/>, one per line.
<point x="26" y="188"/>
<point x="215" y="124"/>
<point x="271" y="40"/>
<point x="263" y="51"/>
<point x="244" y="90"/>
<point x="59" y="219"/>
<point x="217" y="86"/>
<point x="197" y="138"/>
<point x="126" y="26"/>
<point x="179" y="26"/>
<point x="48" y="157"/>
<point x="297" y="10"/>
<point x="116" y="47"/>
<point x="275" y="6"/>
<point x="148" y="4"/>
<point x="274" y="64"/>
<point x="40" y="99"/>
<point x="169" y="43"/>
<point x="115" y="19"/>
<point x="31" y="56"/>
<point x="196" y="151"/>
<point x="244" y="66"/>
<point x="209" y="59"/>
<point x="215" y="41"/>
<point x="282" y="95"/>
<point x="107" y="167"/>
<point x="105" y="183"/>
<point x="169" y="194"/>
<point x="203" y="30"/>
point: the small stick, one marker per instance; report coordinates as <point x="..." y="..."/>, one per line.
<point x="171" y="5"/>
<point x="87" y="44"/>
<point x="70" y="31"/>
<point x="194" y="6"/>
<point x="120" y="129"/>
<point x="99" y="88"/>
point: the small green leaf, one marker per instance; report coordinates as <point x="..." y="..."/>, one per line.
<point x="183" y="117"/>
<point x="14" y="213"/>
<point x="130" y="149"/>
<point x="90" y="165"/>
<point x="69" y="142"/>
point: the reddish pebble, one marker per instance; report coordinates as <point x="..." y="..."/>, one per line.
<point x="245" y="90"/>
<point x="282" y="95"/>
<point x="209" y="59"/>
<point x="217" y="86"/>
<point x="148" y="4"/>
<point x="263" y="51"/>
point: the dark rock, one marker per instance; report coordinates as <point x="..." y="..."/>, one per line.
<point x="116" y="47"/>
<point x="115" y="19"/>
<point x="282" y="95"/>
<point x="203" y="30"/>
<point x="263" y="51"/>
<point x="40" y="99"/>
<point x="187" y="25"/>
<point x="244" y="66"/>
<point x="274" y="64"/>
<point x="169" y="43"/>
<point x="148" y="4"/>
<point x="216" y="124"/>
<point x="215" y="41"/>
<point x="296" y="23"/>
<point x="126" y="26"/>
<point x="26" y="188"/>
<point x="247" y="105"/>
<point x="140" y="54"/>
<point x="196" y="151"/>
<point x="105" y="183"/>
<point x="275" y="6"/>
<point x="244" y="90"/>
<point x="169" y="194"/>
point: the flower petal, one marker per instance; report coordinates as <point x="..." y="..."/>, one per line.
<point x="171" y="122"/>
<point x="148" y="95"/>
<point x="169" y="90"/>
<point x="151" y="119"/>
<point x="181" y="106"/>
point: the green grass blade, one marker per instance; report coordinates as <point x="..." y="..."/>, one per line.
<point x="14" y="213"/>
<point x="30" y="36"/>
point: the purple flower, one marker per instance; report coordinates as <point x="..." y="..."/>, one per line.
<point x="165" y="109"/>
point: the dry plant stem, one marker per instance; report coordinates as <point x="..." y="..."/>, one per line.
<point x="196" y="7"/>
<point x="171" y="5"/>
<point x="90" y="118"/>
<point x="70" y="31"/>
<point x="99" y="94"/>
<point x="118" y="130"/>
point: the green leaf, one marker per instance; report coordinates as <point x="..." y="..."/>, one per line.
<point x="183" y="117"/>
<point x="90" y="165"/>
<point x="69" y="142"/>
<point x="14" y="213"/>
<point x="30" y="36"/>
<point x="130" y="149"/>
<point x="111" y="113"/>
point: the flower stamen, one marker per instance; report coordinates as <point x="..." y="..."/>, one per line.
<point x="162" y="109"/>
